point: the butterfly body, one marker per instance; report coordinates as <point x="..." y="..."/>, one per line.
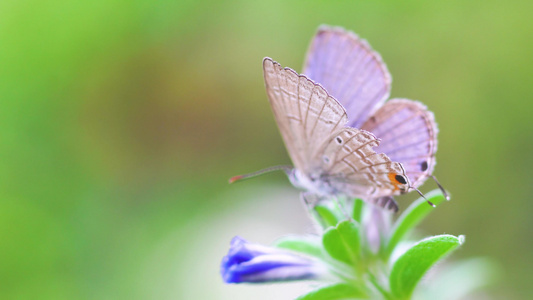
<point x="316" y="183"/>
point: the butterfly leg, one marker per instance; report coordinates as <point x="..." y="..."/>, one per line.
<point x="340" y="204"/>
<point x="386" y="202"/>
<point x="441" y="188"/>
<point x="310" y="200"/>
<point x="422" y="195"/>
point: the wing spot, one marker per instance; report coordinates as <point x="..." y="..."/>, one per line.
<point x="325" y="159"/>
<point x="400" y="179"/>
<point x="424" y="165"/>
<point x="338" y="140"/>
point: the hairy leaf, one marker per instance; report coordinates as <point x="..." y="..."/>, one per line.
<point x="335" y="292"/>
<point x="343" y="242"/>
<point x="411" y="217"/>
<point x="414" y="263"/>
<point x="306" y="245"/>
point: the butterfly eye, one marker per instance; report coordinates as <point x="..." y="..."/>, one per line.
<point x="424" y="165"/>
<point x="400" y="179"/>
<point x="339" y="140"/>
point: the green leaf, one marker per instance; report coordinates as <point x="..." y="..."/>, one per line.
<point x="335" y="292"/>
<point x="411" y="217"/>
<point x="343" y="242"/>
<point x="328" y="214"/>
<point x="414" y="263"/>
<point x="306" y="245"/>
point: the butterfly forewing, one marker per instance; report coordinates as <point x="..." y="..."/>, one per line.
<point x="408" y="134"/>
<point x="353" y="167"/>
<point x="349" y="70"/>
<point x="306" y="115"/>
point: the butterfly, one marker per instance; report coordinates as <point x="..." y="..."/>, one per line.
<point x="341" y="134"/>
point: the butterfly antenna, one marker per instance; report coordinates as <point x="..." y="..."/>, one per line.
<point x="441" y="188"/>
<point x="260" y="172"/>
<point x="422" y="195"/>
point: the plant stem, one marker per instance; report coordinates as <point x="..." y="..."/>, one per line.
<point x="376" y="284"/>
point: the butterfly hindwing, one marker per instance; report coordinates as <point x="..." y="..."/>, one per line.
<point x="408" y="134"/>
<point x="348" y="68"/>
<point x="355" y="168"/>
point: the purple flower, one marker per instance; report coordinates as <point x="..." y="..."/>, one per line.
<point x="377" y="224"/>
<point x="253" y="263"/>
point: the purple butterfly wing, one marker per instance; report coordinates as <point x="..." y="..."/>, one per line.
<point x="408" y="134"/>
<point x="349" y="70"/>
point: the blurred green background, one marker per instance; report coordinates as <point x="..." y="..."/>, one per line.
<point x="121" y="122"/>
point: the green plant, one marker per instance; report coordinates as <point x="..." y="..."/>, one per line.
<point x="360" y="256"/>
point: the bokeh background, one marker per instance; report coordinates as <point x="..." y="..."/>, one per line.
<point x="121" y="122"/>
